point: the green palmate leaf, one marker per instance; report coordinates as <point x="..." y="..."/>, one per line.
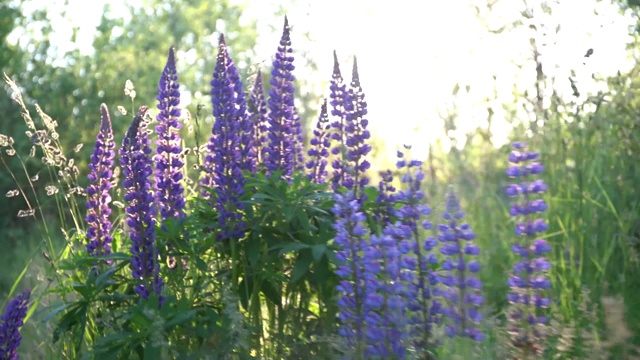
<point x="291" y="247"/>
<point x="301" y="267"/>
<point x="318" y="252"/>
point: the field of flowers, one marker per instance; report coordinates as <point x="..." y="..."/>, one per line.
<point x="254" y="245"/>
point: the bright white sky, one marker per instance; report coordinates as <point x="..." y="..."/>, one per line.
<point x="411" y="54"/>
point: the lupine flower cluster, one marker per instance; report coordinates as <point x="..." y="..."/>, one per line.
<point x="461" y="287"/>
<point x="98" y="204"/>
<point x="168" y="162"/>
<point x="413" y="219"/>
<point x="137" y="166"/>
<point x="396" y="266"/>
<point x="351" y="133"/>
<point x="12" y="320"/>
<point x="319" y="151"/>
<point x="259" y="119"/>
<point x="230" y="145"/>
<point x="371" y="302"/>
<point x="528" y="281"/>
<point x="285" y="130"/>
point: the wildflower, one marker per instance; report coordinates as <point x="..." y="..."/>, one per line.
<point x="338" y="94"/>
<point x="169" y="191"/>
<point x="385" y="199"/>
<point x="352" y="132"/>
<point x="371" y="305"/>
<point x="528" y="282"/>
<point x="417" y="253"/>
<point x="12" y="320"/>
<point x="136" y="162"/>
<point x="285" y="130"/>
<point x="230" y="144"/>
<point x="259" y="119"/>
<point x="320" y="144"/>
<point x="101" y="172"/>
<point x="461" y="292"/>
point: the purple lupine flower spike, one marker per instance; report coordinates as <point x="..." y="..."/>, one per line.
<point x="417" y="253"/>
<point x="137" y="167"/>
<point x="372" y="305"/>
<point x="99" y="199"/>
<point x="385" y="199"/>
<point x="285" y="130"/>
<point x="230" y="146"/>
<point x="338" y="94"/>
<point x="462" y="288"/>
<point x="259" y="118"/>
<point x="319" y="151"/>
<point x="351" y="132"/>
<point x="529" y="282"/>
<point x="169" y="190"/>
<point x="357" y="134"/>
<point x="12" y="320"/>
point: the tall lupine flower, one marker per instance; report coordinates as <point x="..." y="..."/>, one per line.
<point x="356" y="132"/>
<point x="230" y="146"/>
<point x="417" y="250"/>
<point x="100" y="174"/>
<point x="338" y="94"/>
<point x="136" y="162"/>
<point x="352" y="133"/>
<point x="258" y="116"/>
<point x="529" y="283"/>
<point x="319" y="148"/>
<point x="12" y="320"/>
<point x="285" y="130"/>
<point x="371" y="305"/>
<point x="385" y="199"/>
<point x="461" y="288"/>
<point x="169" y="191"/>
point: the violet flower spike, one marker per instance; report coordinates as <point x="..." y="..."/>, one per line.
<point x="230" y="146"/>
<point x="529" y="282"/>
<point x="319" y="151"/>
<point x="12" y="321"/>
<point x="285" y="150"/>
<point x="461" y="291"/>
<point x="371" y="305"/>
<point x="351" y="132"/>
<point x="337" y="96"/>
<point x="137" y="167"/>
<point x="417" y="253"/>
<point x="169" y="164"/>
<point x="98" y="192"/>
<point x="259" y="119"/>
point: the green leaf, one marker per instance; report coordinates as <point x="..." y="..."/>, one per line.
<point x="271" y="292"/>
<point x="318" y="251"/>
<point x="301" y="267"/>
